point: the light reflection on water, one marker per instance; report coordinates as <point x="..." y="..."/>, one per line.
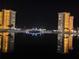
<point x="37" y="45"/>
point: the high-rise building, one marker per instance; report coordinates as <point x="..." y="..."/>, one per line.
<point x="60" y="35"/>
<point x="71" y="30"/>
<point x="7" y="21"/>
<point x="1" y="13"/>
<point x="12" y="25"/>
<point x="65" y="25"/>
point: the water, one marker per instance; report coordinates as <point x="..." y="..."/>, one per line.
<point x="35" y="45"/>
<point x="44" y="45"/>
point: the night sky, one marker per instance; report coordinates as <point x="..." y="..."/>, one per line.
<point x="40" y="14"/>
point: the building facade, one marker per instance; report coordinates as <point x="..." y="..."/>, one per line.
<point x="7" y="21"/>
<point x="65" y="24"/>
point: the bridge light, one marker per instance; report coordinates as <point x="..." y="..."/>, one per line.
<point x="40" y="29"/>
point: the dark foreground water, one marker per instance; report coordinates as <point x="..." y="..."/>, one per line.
<point x="44" y="45"/>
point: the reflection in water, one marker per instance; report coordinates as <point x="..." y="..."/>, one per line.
<point x="44" y="45"/>
<point x="35" y="44"/>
